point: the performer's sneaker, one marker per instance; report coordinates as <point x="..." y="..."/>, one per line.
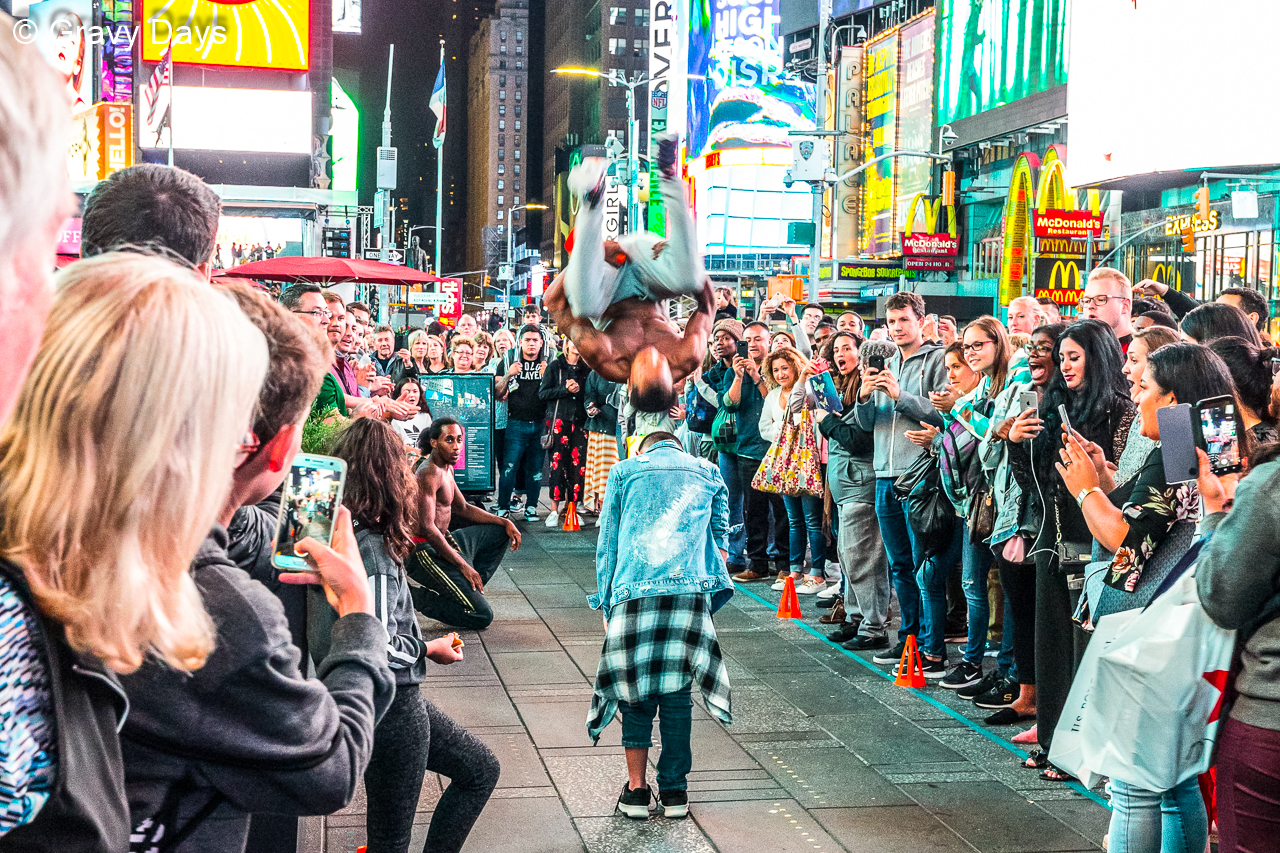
<point x="668" y="147"/>
<point x="675" y="804"/>
<point x="635" y="803"/>
<point x="588" y="179"/>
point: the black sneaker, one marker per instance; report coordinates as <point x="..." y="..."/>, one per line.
<point x="866" y="644"/>
<point x="892" y="655"/>
<point x="964" y="675"/>
<point x="675" y="804"/>
<point x="846" y="632"/>
<point x="635" y="804"/>
<point x="987" y="684"/>
<point x="1000" y="696"/>
<point x="934" y="668"/>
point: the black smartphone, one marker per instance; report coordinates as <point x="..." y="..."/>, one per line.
<point x="1219" y="432"/>
<point x="1178" y="443"/>
<point x="312" y="495"/>
<point x="742" y="349"/>
<point x="875" y="362"/>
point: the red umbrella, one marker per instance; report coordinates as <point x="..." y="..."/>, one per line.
<point x="331" y="270"/>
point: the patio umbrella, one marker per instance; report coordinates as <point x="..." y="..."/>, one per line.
<point x="330" y="270"/>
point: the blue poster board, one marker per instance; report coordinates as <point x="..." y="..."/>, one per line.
<point x="468" y="398"/>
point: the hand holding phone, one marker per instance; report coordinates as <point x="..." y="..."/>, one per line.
<point x="1029" y="401"/>
<point x="742" y="349"/>
<point x="312" y="497"/>
<point x="338" y="569"/>
<point x="1219" y="431"/>
<point x="875" y="362"/>
<point x="1066" y="421"/>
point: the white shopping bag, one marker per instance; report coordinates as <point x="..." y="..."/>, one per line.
<point x="1153" y="688"/>
<point x="1069" y="750"/>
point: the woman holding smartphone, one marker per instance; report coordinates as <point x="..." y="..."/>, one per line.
<point x="414" y="736"/>
<point x="1090" y="388"/>
<point x="1149" y="524"/>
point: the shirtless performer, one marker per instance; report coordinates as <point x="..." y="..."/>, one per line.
<point x="453" y="568"/>
<point x="612" y="304"/>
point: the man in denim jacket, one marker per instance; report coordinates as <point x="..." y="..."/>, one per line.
<point x="661" y="573"/>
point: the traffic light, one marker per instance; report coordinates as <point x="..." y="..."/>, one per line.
<point x="1202" y="203"/>
<point x="1189" y="239"/>
<point x="337" y="242"/>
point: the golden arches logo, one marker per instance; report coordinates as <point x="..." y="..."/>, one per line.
<point x="1161" y="273"/>
<point x="1065" y="275"/>
<point x="932" y="207"/>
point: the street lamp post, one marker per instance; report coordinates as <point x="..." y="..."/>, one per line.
<point x="511" y="246"/>
<point x="615" y="78"/>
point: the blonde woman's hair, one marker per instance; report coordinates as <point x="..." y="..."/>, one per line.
<point x="791" y="356"/>
<point x="118" y="457"/>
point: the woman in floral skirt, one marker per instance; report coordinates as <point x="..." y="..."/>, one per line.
<point x="563" y="389"/>
<point x="602" y="438"/>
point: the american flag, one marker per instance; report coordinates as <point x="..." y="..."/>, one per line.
<point x="156" y="94"/>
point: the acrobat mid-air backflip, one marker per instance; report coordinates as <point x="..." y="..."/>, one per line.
<point x="612" y="303"/>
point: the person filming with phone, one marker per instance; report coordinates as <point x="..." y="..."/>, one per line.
<point x="1149" y="523"/>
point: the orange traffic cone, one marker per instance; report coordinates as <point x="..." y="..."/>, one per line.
<point x="789" y="607"/>
<point x="911" y="667"/>
<point x="571" y="516"/>
<point x="362" y="849"/>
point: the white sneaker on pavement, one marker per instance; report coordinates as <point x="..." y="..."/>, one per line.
<point x="831" y="591"/>
<point x="811" y="586"/>
<point x="553" y="519"/>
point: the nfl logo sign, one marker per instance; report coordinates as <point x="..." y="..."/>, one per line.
<point x="806" y="149"/>
<point x="659" y="100"/>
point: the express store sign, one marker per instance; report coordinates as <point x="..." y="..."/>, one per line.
<point x="1077" y="224"/>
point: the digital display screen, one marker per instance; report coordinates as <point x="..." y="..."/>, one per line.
<point x="1127" y="47"/>
<point x="1222" y="442"/>
<point x="310" y="501"/>
<point x="346" y="16"/>
<point x="253" y="34"/>
<point x="740" y="96"/>
<point x="468" y="398"/>
<point x="62" y="36"/>
<point x="207" y="118"/>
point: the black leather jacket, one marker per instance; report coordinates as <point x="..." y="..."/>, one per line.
<point x="87" y="811"/>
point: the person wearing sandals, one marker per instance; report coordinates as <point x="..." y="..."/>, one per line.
<point x="660" y="570"/>
<point x="1149" y="524"/>
<point x="1091" y="387"/>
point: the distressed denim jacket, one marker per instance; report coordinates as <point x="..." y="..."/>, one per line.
<point x="665" y="521"/>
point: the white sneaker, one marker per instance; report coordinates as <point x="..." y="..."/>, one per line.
<point x="811" y="586"/>
<point x="599" y="521"/>
<point x="831" y="591"/>
<point x="779" y="585"/>
<point x="553" y="519"/>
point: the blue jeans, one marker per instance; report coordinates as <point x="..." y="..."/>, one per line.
<point x="932" y="580"/>
<point x="737" y="532"/>
<point x="904" y="555"/>
<point x="1006" y="663"/>
<point x="1158" y="821"/>
<point x="976" y="560"/>
<point x="804" y="514"/>
<point x="523" y="441"/>
<point x="675" y="724"/>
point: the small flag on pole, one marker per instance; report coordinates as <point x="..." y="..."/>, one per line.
<point x="156" y="95"/>
<point x="438" y="104"/>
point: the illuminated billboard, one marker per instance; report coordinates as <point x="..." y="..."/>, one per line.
<point x="61" y="35"/>
<point x="991" y="54"/>
<point x="253" y="34"/>
<point x="241" y="238"/>
<point x="206" y="118"/>
<point x="101" y="142"/>
<point x="915" y="114"/>
<point x="1221" y="87"/>
<point x="739" y="94"/>
<point x="345" y="133"/>
<point x="848" y="193"/>
<point x="880" y="127"/>
<point x="346" y="16"/>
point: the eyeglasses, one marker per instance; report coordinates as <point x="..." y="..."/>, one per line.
<point x="1040" y="349"/>
<point x="975" y="346"/>
<point x="318" y="312"/>
<point x="1086" y="301"/>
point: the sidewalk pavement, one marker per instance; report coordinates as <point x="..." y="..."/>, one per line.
<point x="825" y="754"/>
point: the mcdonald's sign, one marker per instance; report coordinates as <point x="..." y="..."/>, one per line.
<point x="1058" y="280"/>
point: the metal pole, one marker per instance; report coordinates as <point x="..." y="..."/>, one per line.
<point x="820" y="123"/>
<point x="632" y="151"/>
<point x="388" y="233"/>
<point x="511" y="272"/>
<point x="440" y="188"/>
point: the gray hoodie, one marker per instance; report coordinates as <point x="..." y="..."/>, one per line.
<point x="890" y="421"/>
<point x="248" y="732"/>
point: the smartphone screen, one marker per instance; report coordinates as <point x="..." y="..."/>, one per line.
<point x="742" y="349"/>
<point x="1219" y="434"/>
<point x="312" y="495"/>
<point x="1178" y="444"/>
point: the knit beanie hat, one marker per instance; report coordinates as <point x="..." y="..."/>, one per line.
<point x="730" y="325"/>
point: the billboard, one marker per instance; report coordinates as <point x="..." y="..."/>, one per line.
<point x="739" y="95"/>
<point x="345" y="133"/>
<point x="915" y="113"/>
<point x="1136" y="39"/>
<point x="207" y="118"/>
<point x="848" y="193"/>
<point x="116" y="82"/>
<point x="880" y="102"/>
<point x="991" y="54"/>
<point x="346" y="16"/>
<point x="62" y="36"/>
<point x="101" y="142"/>
<point x="253" y="34"/>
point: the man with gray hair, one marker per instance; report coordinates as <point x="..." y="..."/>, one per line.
<point x="35" y="199"/>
